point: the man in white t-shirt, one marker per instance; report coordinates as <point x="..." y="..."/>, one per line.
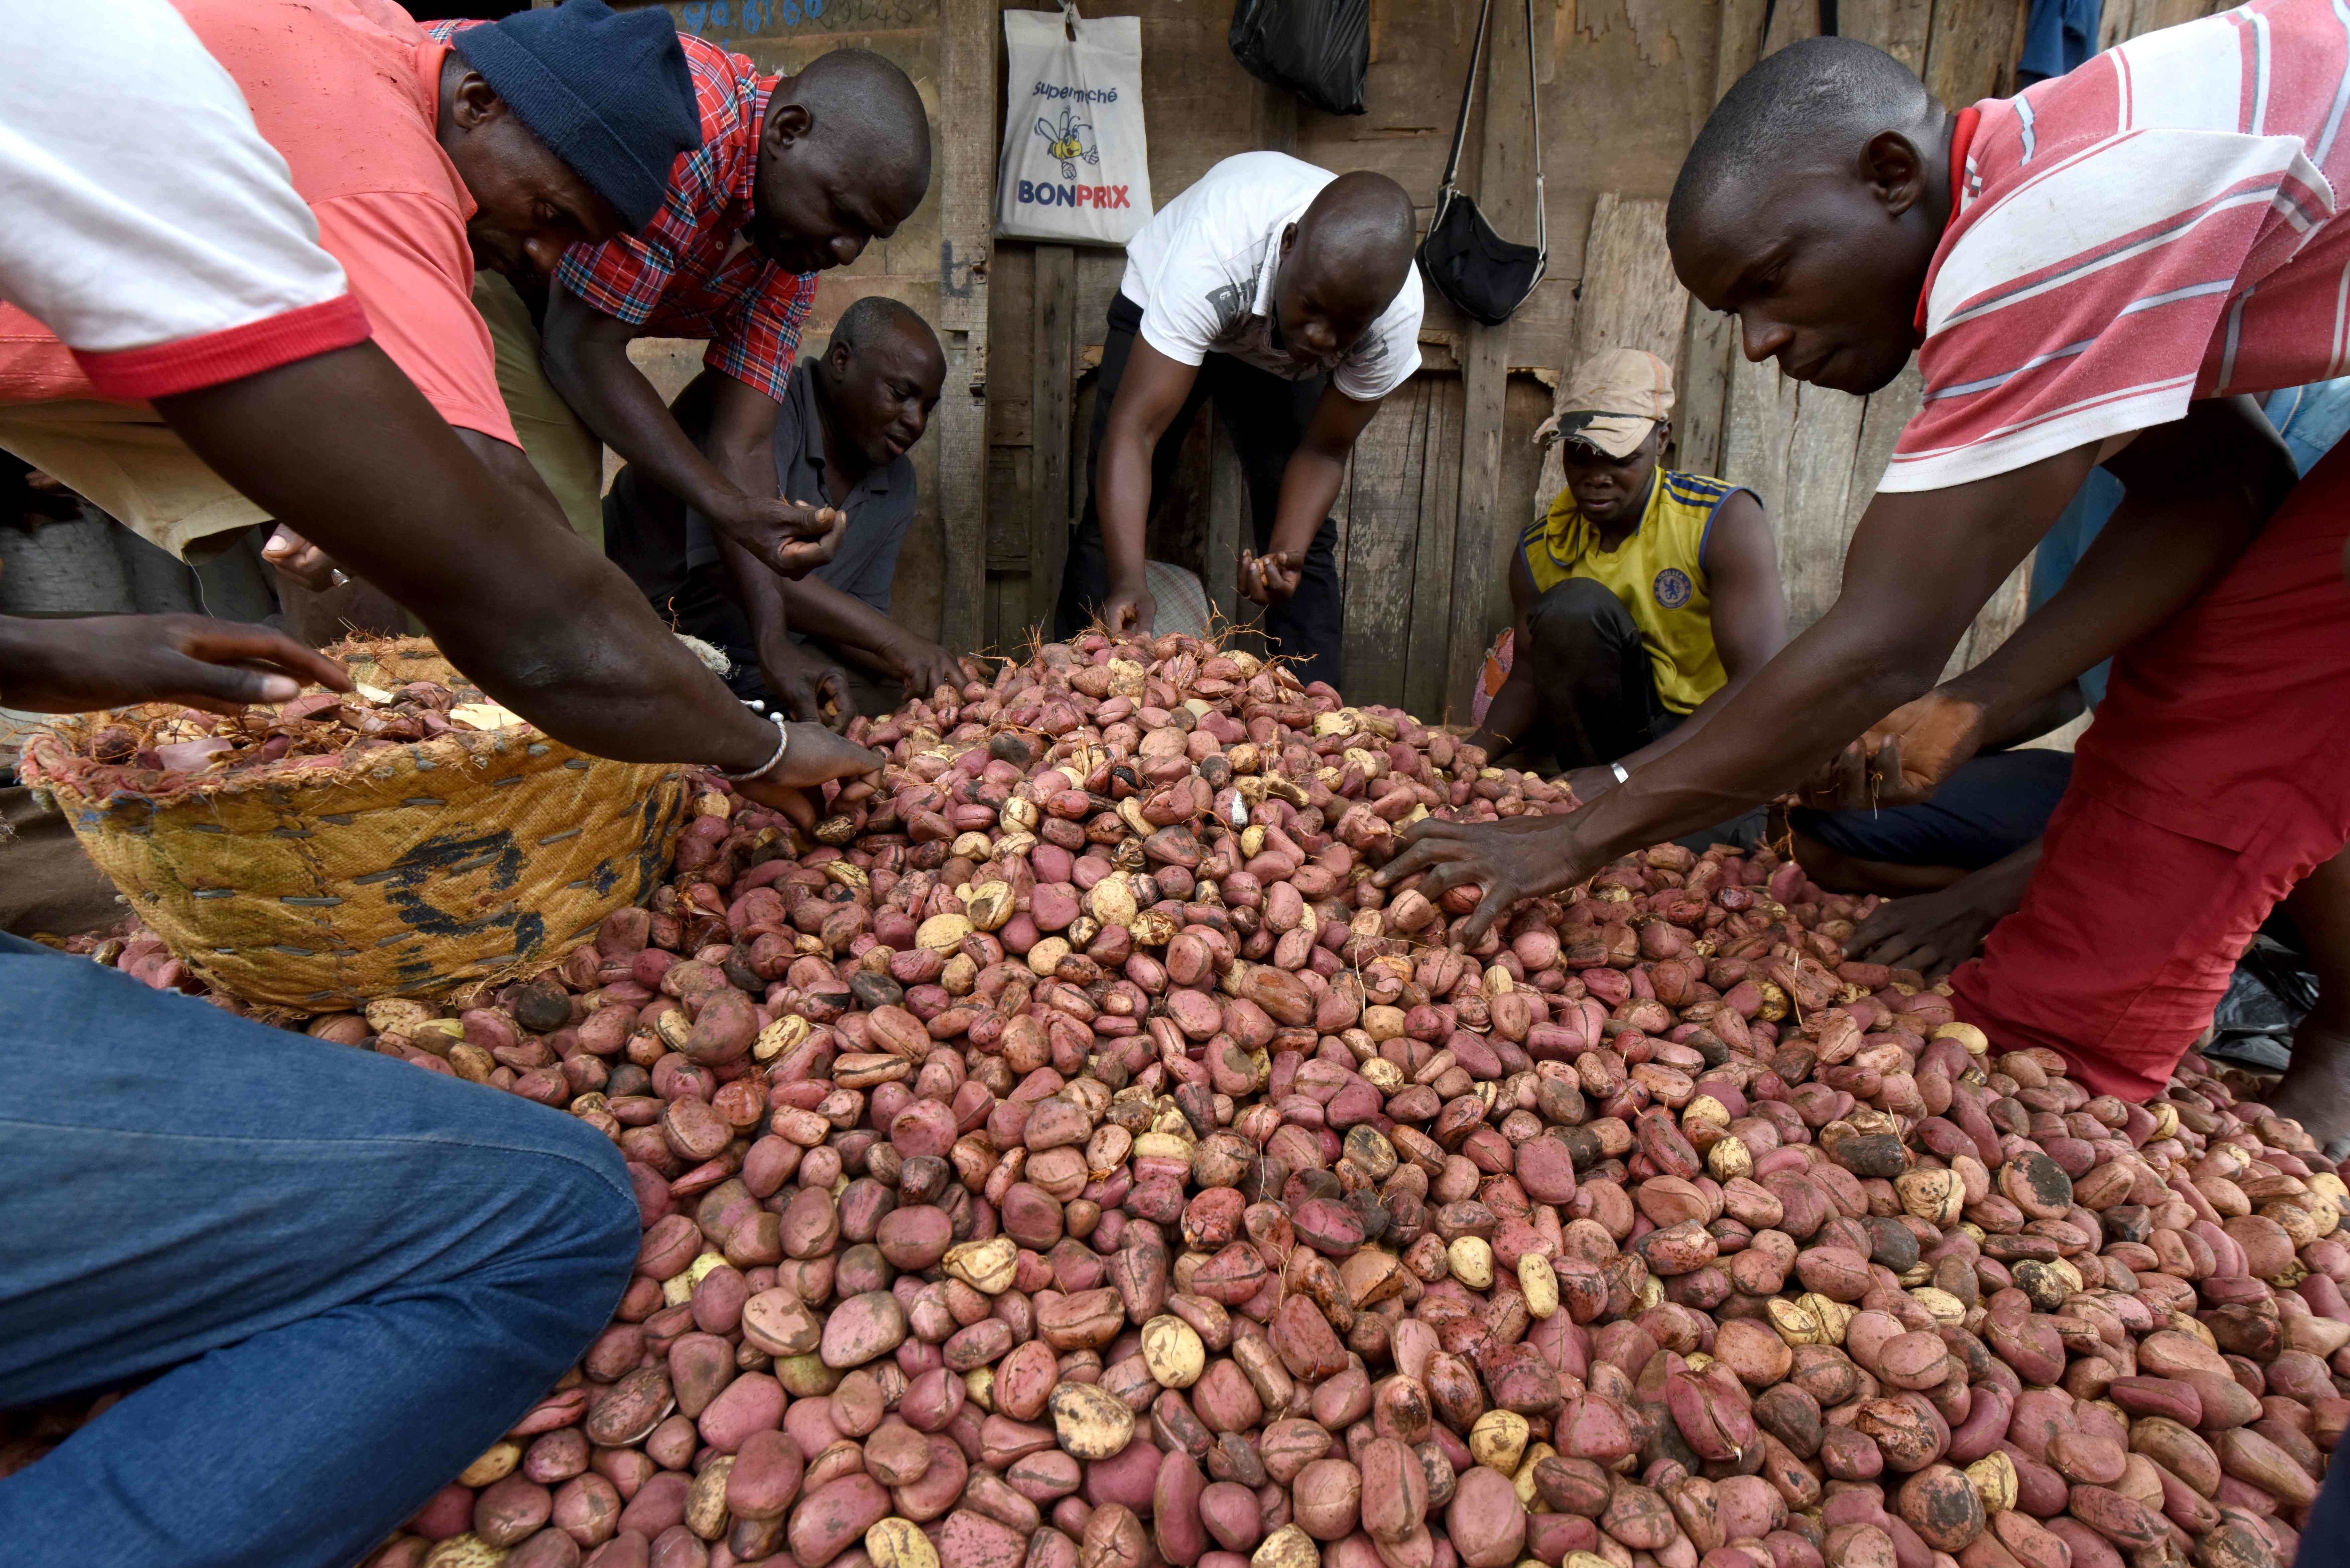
<point x="1287" y="294"/>
<point x="194" y="1202"/>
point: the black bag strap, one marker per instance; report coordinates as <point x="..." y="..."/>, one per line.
<point x="1533" y="106"/>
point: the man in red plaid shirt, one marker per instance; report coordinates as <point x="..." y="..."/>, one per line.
<point x="795" y="175"/>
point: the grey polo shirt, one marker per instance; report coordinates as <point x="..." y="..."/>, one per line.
<point x="879" y="506"/>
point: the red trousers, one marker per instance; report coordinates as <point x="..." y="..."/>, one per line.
<point x="2215" y="778"/>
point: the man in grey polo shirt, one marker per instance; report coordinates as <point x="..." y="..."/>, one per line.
<point x="841" y="439"/>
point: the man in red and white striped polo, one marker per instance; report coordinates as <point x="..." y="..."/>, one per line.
<point x="2101" y="266"/>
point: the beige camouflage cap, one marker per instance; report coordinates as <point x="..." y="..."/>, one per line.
<point x="1614" y="399"/>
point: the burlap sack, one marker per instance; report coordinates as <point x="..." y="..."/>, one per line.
<point x="472" y="856"/>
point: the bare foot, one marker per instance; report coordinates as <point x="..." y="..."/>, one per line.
<point x="2316" y="1089"/>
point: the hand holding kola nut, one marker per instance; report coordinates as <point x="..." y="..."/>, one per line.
<point x="1069" y="1156"/>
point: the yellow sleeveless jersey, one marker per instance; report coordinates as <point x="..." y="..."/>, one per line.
<point x="1656" y="574"/>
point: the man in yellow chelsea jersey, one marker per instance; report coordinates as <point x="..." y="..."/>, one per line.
<point x="1640" y="597"/>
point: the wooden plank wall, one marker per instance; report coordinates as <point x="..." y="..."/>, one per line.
<point x="1447" y="475"/>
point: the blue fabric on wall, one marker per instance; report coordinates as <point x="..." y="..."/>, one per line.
<point x="2060" y="35"/>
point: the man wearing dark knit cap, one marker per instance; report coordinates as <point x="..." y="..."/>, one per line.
<point x="415" y="158"/>
<point x="794" y="176"/>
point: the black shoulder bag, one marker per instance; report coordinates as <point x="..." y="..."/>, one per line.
<point x="1462" y="258"/>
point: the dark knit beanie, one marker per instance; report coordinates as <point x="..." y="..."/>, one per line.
<point x="608" y="91"/>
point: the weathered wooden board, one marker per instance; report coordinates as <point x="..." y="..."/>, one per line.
<point x="1701" y="390"/>
<point x="1053" y="388"/>
<point x="1758" y="425"/>
<point x="965" y="182"/>
<point x="1890" y="409"/>
<point x="1383" y="537"/>
<point x="1971" y="54"/>
<point x="1900" y="27"/>
<point x="1630" y="297"/>
<point x="1738" y="43"/>
<point x="1810" y="518"/>
<point x="2128" y="18"/>
<point x="1228" y="525"/>
<point x="1506" y="176"/>
<point x="1790" y="20"/>
<point x="1011" y="432"/>
<point x="1431" y="595"/>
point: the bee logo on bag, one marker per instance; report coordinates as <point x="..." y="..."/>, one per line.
<point x="1073" y="166"/>
<point x="1071" y="141"/>
<point x="1066" y="141"/>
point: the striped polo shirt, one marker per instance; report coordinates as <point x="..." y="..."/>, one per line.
<point x="2162" y="224"/>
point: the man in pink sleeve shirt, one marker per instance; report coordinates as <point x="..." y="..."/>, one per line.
<point x="195" y="1203"/>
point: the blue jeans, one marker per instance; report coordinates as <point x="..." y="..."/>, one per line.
<point x="351" y="1276"/>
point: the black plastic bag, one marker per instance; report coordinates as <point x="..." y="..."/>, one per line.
<point x="1321" y="48"/>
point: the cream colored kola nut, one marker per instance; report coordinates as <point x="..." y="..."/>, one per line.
<point x="1111" y="901"/>
<point x="1538" y="1282"/>
<point x="979" y="1384"/>
<point x="1937" y="1197"/>
<point x="1977" y="1042"/>
<point x="942" y="933"/>
<point x="988" y="1267"/>
<point x="1707" y="1109"/>
<point x="989" y="905"/>
<point x="466" y="1550"/>
<point x="1498" y="1440"/>
<point x="1944" y="1307"/>
<point x="1529" y="1494"/>
<point x="1472" y="1259"/>
<point x="1288" y="1547"/>
<point x="785" y="1034"/>
<point x="1995" y="1480"/>
<point x="1728" y="1159"/>
<point x="1171" y="1349"/>
<point x="495" y="1465"/>
<point x="897" y="1542"/>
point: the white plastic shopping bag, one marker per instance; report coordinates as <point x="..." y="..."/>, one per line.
<point x="1076" y="168"/>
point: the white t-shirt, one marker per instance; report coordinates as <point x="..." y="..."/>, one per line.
<point x="1203" y="272"/>
<point x="148" y="224"/>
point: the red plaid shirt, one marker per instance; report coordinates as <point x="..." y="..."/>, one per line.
<point x="676" y="279"/>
